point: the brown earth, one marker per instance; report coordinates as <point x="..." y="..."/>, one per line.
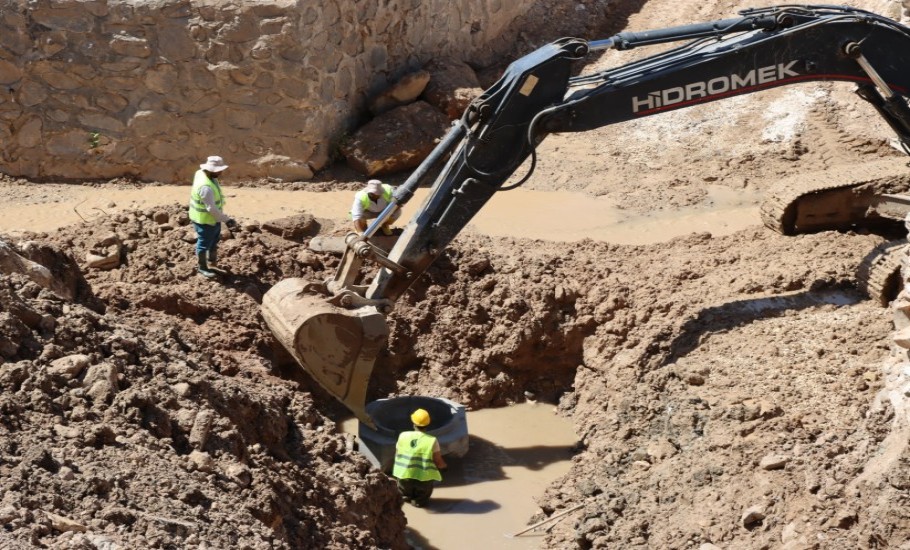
<point x="725" y="389"/>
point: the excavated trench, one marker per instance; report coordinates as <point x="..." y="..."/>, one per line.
<point x="684" y="365"/>
<point x="148" y="292"/>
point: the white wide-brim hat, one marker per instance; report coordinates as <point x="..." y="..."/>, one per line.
<point x="214" y="164"/>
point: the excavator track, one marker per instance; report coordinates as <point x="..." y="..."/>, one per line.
<point x="879" y="274"/>
<point x="828" y="199"/>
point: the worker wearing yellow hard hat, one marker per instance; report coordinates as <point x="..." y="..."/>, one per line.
<point x="418" y="460"/>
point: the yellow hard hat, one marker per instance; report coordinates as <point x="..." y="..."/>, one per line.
<point x="420" y="418"/>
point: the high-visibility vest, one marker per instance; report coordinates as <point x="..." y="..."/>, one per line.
<point x="198" y="212"/>
<point x="364" y="197"/>
<point x="414" y="457"/>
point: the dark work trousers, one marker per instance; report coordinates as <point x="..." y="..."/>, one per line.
<point x="207" y="237"/>
<point x="417" y="491"/>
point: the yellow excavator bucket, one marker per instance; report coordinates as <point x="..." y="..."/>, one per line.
<point x="336" y="346"/>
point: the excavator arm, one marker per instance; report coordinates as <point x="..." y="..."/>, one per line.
<point x="336" y="329"/>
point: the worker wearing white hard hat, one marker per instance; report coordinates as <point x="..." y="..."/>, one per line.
<point x="369" y="202"/>
<point x="206" y="211"/>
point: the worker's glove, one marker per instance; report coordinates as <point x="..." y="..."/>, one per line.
<point x="231" y="224"/>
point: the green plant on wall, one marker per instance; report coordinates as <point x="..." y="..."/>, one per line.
<point x="94" y="139"/>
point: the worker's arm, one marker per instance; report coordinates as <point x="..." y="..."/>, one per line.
<point x="208" y="199"/>
<point x="437" y="457"/>
<point x="357" y="212"/>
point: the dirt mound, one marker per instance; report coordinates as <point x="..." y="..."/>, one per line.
<point x="159" y="422"/>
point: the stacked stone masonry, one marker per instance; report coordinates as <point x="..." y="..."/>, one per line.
<point x="106" y="89"/>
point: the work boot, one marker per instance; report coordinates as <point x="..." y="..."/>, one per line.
<point x="204" y="266"/>
<point x="213" y="257"/>
<point x="386" y="230"/>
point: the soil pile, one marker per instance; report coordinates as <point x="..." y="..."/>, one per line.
<point x="725" y="388"/>
<point x="146" y="415"/>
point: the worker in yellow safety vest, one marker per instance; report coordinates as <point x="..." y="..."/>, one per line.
<point x="369" y="202"/>
<point x="418" y="461"/>
<point x="207" y="212"/>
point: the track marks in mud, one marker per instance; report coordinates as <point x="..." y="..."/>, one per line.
<point x="731" y="315"/>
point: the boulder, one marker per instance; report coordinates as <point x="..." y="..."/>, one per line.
<point x="773" y="462"/>
<point x="282" y="167"/>
<point x="67" y="281"/>
<point x="403" y="92"/>
<point x="104" y="259"/>
<point x="294" y="228"/>
<point x="12" y="262"/>
<point x="101" y="382"/>
<point x="453" y="86"/>
<point x="105" y="253"/>
<point x="70" y="366"/>
<point x="395" y="141"/>
<point x="752" y="516"/>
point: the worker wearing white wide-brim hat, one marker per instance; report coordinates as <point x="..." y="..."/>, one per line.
<point x="418" y="461"/>
<point x="207" y="212"/>
<point x="369" y="202"/>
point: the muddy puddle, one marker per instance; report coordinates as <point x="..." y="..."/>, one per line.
<point x="515" y="453"/>
<point x="547" y="215"/>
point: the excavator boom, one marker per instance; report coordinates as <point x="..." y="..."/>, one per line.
<point x="335" y="333"/>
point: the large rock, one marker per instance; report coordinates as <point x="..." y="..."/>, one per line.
<point x="70" y="366"/>
<point x="48" y="267"/>
<point x="282" y="167"/>
<point x="12" y="262"/>
<point x="403" y="92"/>
<point x="105" y="253"/>
<point x="294" y="228"/>
<point x="101" y="382"/>
<point x="453" y="86"/>
<point x="68" y="281"/>
<point x="396" y="141"/>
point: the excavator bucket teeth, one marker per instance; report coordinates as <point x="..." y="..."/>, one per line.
<point x="337" y="347"/>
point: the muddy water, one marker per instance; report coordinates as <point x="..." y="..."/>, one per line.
<point x="566" y="217"/>
<point x="554" y="216"/>
<point x="515" y="453"/>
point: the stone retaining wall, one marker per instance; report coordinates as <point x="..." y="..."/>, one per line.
<point x="104" y="89"/>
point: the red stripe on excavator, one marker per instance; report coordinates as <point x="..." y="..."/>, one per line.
<point x="748" y="89"/>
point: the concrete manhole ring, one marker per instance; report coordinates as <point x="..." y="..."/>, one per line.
<point x="448" y="422"/>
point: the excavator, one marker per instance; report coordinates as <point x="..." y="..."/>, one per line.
<point x="336" y="328"/>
